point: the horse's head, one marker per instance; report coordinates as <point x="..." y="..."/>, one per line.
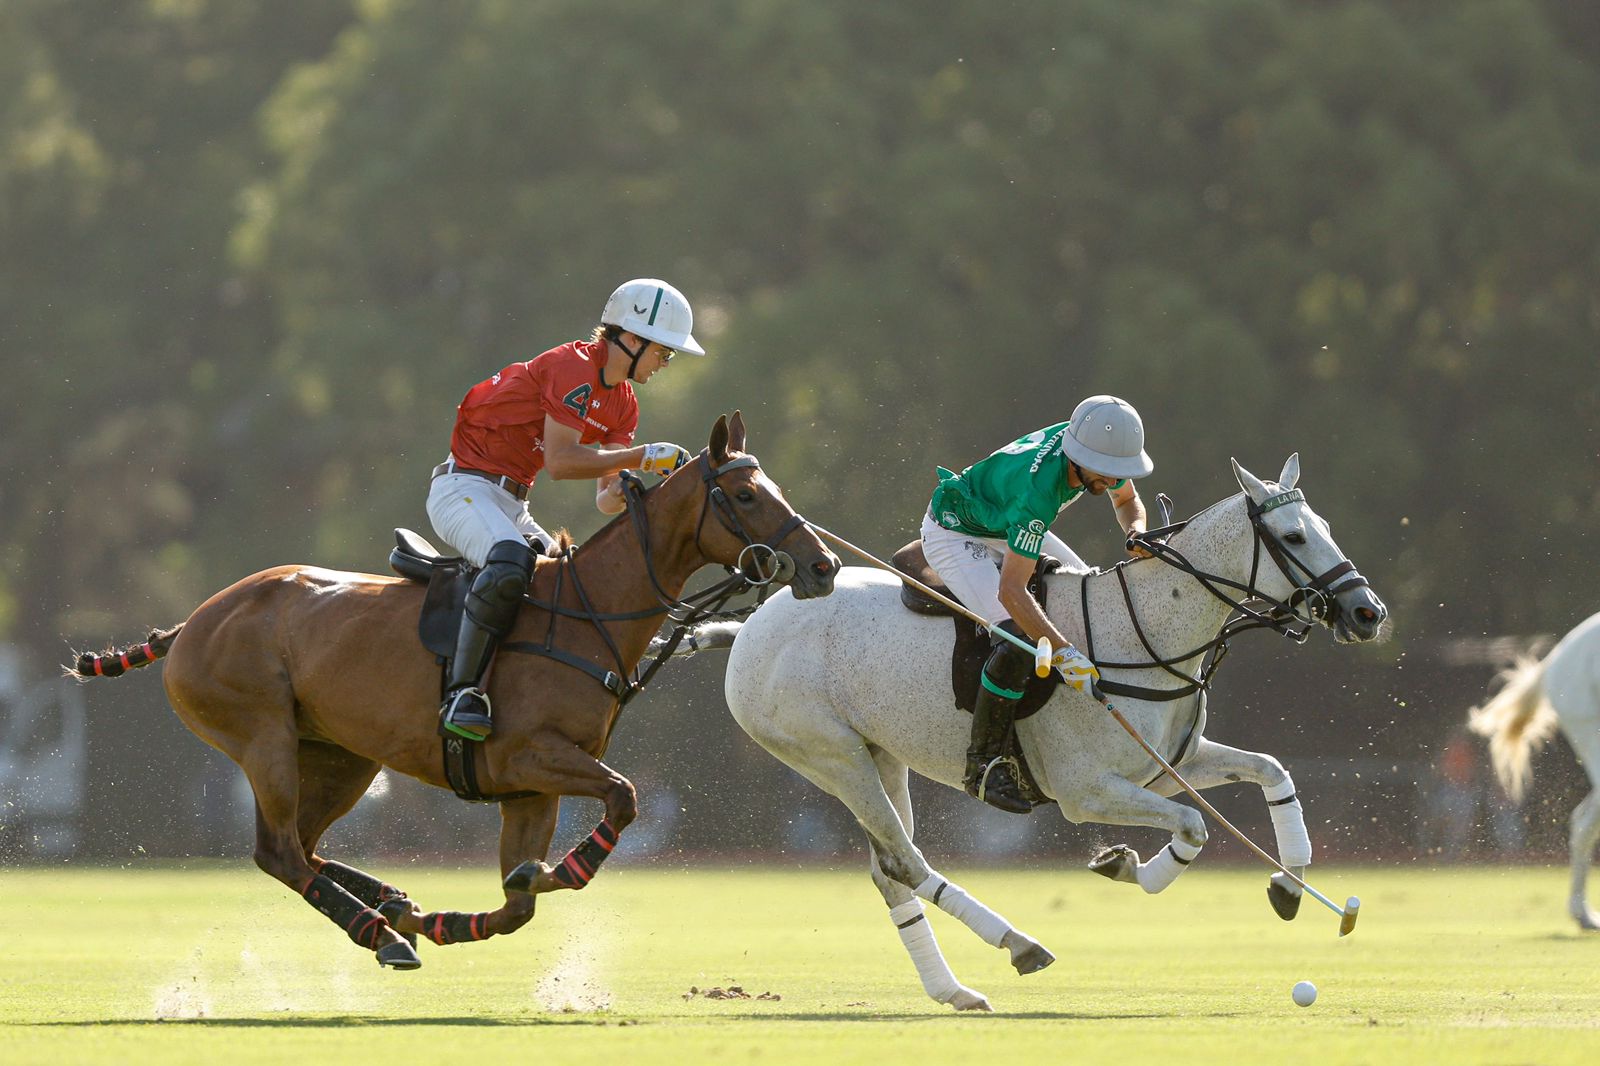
<point x="745" y="521"/>
<point x="1311" y="571"/>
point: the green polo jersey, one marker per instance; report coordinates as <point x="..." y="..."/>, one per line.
<point x="1014" y="494"/>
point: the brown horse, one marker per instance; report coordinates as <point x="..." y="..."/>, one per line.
<point x="312" y="680"/>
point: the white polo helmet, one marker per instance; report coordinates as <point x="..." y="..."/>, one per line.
<point x="1107" y="437"/>
<point x="654" y="310"/>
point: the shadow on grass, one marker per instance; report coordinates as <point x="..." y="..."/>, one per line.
<point x="865" y="1017"/>
<point x="345" y="1021"/>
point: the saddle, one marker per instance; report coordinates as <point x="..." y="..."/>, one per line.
<point x="972" y="642"/>
<point x="448" y="578"/>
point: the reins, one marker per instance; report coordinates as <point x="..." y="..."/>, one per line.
<point x="1280" y="616"/>
<point x="685" y="612"/>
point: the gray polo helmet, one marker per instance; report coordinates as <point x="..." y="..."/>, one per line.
<point x="1107" y="437"/>
<point x="654" y="310"/>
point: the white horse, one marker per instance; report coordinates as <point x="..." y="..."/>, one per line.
<point x="1562" y="689"/>
<point x="852" y="690"/>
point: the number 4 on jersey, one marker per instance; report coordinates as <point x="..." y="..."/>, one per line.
<point x="578" y="400"/>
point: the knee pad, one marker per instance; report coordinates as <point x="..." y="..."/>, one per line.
<point x="1008" y="666"/>
<point x="497" y="589"/>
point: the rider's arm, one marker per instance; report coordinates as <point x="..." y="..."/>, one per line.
<point x="567" y="459"/>
<point x="1019" y="602"/>
<point x="1130" y="513"/>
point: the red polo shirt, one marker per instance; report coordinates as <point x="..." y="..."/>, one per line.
<point x="500" y="424"/>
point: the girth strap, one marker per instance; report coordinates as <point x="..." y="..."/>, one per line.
<point x="462" y="773"/>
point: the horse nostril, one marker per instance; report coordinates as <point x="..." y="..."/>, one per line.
<point x="1366" y="614"/>
<point x="822" y="568"/>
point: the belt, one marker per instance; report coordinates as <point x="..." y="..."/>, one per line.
<point x="510" y="484"/>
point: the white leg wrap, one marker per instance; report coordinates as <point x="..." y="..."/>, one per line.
<point x="954" y="901"/>
<point x="917" y="935"/>
<point x="1164" y="869"/>
<point x="1289" y="823"/>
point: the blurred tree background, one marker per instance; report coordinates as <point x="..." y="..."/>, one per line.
<point x="251" y="256"/>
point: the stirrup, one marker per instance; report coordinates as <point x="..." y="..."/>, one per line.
<point x="1006" y="795"/>
<point x="461" y="717"/>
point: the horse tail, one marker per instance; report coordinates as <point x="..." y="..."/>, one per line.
<point x="1516" y="720"/>
<point x="714" y="636"/>
<point x="114" y="662"/>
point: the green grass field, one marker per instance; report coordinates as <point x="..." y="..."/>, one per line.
<point x="221" y="964"/>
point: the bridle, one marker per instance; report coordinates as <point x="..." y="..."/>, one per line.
<point x="1314" y="593"/>
<point x="758" y="566"/>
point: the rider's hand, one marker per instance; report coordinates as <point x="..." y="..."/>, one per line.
<point x="1137" y="550"/>
<point x="1074" y="667"/>
<point x="663" y="458"/>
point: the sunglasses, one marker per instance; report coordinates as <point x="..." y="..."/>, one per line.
<point x="667" y="354"/>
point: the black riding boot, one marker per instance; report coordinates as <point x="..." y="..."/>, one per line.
<point x="992" y="775"/>
<point x="490" y="612"/>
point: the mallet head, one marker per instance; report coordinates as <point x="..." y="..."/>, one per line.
<point x="1348" y="922"/>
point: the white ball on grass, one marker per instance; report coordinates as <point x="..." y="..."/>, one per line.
<point x="1305" y="993"/>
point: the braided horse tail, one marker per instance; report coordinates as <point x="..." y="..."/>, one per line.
<point x="114" y="662"/>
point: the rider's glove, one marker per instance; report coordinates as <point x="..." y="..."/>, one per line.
<point x="663" y="458"/>
<point x="1075" y="667"/>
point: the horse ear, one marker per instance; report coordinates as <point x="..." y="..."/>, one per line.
<point x="718" y="446"/>
<point x="736" y="432"/>
<point x="1291" y="472"/>
<point x="1252" y="485"/>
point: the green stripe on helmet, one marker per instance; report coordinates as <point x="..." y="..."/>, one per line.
<point x="656" y="306"/>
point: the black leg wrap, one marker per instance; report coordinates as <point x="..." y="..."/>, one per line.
<point x="454" y="927"/>
<point x="363" y="925"/>
<point x="581" y="862"/>
<point x="361" y="885"/>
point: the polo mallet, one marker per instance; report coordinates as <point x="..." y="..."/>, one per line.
<point x="1041" y="652"/>
<point x="1041" y="664"/>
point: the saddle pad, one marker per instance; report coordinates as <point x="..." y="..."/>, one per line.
<point x="966" y="664"/>
<point x="442" y="605"/>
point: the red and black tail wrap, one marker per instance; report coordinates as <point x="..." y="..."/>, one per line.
<point x="114" y="662"/>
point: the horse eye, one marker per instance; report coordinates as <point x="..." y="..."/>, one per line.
<point x="745" y="496"/>
<point x="1295" y="538"/>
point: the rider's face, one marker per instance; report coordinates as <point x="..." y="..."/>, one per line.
<point x="1098" y="484"/>
<point x="654" y="358"/>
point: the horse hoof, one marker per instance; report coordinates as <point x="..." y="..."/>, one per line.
<point x="400" y="955"/>
<point x="525" y="877"/>
<point x="1588" y="920"/>
<point x="395" y="909"/>
<point x="1118" y="862"/>
<point x="966" y="999"/>
<point x="1032" y="958"/>
<point x="1284" y="895"/>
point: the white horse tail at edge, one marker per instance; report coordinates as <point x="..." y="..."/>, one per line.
<point x="1517" y="719"/>
<point x="1561" y="690"/>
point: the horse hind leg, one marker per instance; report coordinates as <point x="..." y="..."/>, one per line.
<point x="272" y="765"/>
<point x="905" y="909"/>
<point x="1584" y="835"/>
<point x="332" y="782"/>
<point x="1027" y="954"/>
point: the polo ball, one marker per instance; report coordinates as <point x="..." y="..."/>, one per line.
<point x="1305" y="993"/>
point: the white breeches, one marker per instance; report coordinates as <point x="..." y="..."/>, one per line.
<point x="971" y="565"/>
<point x="472" y="514"/>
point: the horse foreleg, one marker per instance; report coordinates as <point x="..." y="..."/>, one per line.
<point x="1114" y="800"/>
<point x="563" y="769"/>
<point x="1218" y="764"/>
